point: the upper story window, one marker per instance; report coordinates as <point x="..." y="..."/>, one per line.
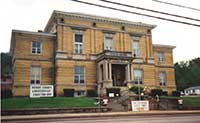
<point x="161" y="57"/>
<point x="78" y="42"/>
<point x="138" y="76"/>
<point x="35" y="75"/>
<point x="136" y="46"/>
<point x="108" y="42"/>
<point x="162" y="76"/>
<point x="36" y="47"/>
<point x="79" y="74"/>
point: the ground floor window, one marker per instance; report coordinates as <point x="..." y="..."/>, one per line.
<point x="79" y="74"/>
<point x="35" y="75"/>
<point x="79" y="93"/>
<point x="138" y="76"/>
<point x="162" y="76"/>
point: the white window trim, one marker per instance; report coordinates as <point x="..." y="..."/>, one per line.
<point x="34" y="77"/>
<point x="137" y="79"/>
<point x="80" y="33"/>
<point x="164" y="80"/>
<point x="84" y="70"/>
<point x="105" y="41"/>
<point x="136" y="39"/>
<point x="161" y="59"/>
<point x="41" y="45"/>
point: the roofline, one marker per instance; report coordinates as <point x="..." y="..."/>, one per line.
<point x="164" y="46"/>
<point x="34" y="33"/>
<point x="98" y="18"/>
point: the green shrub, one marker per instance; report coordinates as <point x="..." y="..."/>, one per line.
<point x="155" y="92"/>
<point x="91" y="93"/>
<point x="6" y="94"/>
<point x="135" y="89"/>
<point x="68" y="92"/>
<point x="164" y="93"/>
<point x="113" y="90"/>
<point x="176" y="93"/>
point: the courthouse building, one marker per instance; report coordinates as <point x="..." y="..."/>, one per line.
<point x="83" y="52"/>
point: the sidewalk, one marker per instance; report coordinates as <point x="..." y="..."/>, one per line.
<point x="87" y="115"/>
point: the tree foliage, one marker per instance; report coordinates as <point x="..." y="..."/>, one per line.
<point x="187" y="74"/>
<point x="5" y="64"/>
<point x="136" y="89"/>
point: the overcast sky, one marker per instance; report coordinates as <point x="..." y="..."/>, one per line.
<point x="32" y="15"/>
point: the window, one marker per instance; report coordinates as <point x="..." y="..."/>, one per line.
<point x="162" y="76"/>
<point x="138" y="76"/>
<point x="36" y="47"/>
<point x="136" y="46"/>
<point x="79" y="93"/>
<point x="79" y="75"/>
<point x="109" y="42"/>
<point x="35" y="75"/>
<point x="161" y="57"/>
<point x="78" y="43"/>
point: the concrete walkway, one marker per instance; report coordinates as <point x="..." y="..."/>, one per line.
<point x="86" y="115"/>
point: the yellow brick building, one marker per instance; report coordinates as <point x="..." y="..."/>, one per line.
<point x="85" y="52"/>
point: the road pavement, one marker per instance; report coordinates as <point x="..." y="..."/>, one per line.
<point x="183" y="118"/>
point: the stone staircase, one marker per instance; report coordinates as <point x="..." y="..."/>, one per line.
<point x="121" y="103"/>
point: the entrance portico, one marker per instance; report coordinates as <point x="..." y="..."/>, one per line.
<point x="114" y="70"/>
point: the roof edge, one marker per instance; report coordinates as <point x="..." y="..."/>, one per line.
<point x="165" y="46"/>
<point x="34" y="33"/>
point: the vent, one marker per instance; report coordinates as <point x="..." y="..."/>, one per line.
<point x="94" y="24"/>
<point x="123" y="28"/>
<point x="62" y="20"/>
<point x="40" y="31"/>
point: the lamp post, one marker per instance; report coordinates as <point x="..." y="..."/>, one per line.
<point x="139" y="89"/>
<point x="99" y="95"/>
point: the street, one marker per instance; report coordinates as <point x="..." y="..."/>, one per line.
<point x="192" y="118"/>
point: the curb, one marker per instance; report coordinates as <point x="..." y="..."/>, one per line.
<point x="90" y="115"/>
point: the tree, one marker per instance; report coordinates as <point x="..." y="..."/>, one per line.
<point x="5" y="64"/>
<point x="187" y="74"/>
<point x="136" y="89"/>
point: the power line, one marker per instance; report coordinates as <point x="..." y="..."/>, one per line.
<point x="155" y="11"/>
<point x="187" y="7"/>
<point x="122" y="10"/>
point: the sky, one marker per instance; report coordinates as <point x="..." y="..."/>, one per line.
<point x="33" y="15"/>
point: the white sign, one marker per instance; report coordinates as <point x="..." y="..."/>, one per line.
<point x="41" y="90"/>
<point x="140" y="105"/>
<point x="111" y="95"/>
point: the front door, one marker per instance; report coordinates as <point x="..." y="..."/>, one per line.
<point x="118" y="75"/>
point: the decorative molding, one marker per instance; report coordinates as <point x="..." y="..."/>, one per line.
<point x="100" y="19"/>
<point x="79" y="56"/>
<point x="62" y="55"/>
<point x="138" y="60"/>
<point x="151" y="60"/>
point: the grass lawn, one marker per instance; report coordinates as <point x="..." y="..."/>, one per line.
<point x="55" y="102"/>
<point x="191" y="101"/>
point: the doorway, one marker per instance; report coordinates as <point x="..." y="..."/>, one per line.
<point x="118" y="75"/>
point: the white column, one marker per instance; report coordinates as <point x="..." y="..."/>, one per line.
<point x="128" y="72"/>
<point x="105" y="67"/>
<point x="99" y="73"/>
<point x="131" y="71"/>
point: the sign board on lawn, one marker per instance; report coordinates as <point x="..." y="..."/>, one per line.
<point x="41" y="91"/>
<point x="140" y="105"/>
